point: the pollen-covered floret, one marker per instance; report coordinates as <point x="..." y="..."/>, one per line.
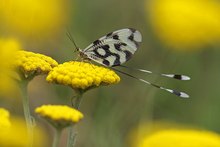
<point x="81" y="75"/>
<point x="59" y="115"/>
<point x="33" y="63"/>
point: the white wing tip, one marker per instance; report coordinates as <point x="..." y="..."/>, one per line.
<point x="138" y="36"/>
<point x="185" y="77"/>
<point x="184" y="95"/>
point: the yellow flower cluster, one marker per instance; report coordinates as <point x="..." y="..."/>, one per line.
<point x="181" y="138"/>
<point x="8" y="49"/>
<point x="59" y="115"/>
<point x="81" y="75"/>
<point x="30" y="63"/>
<point x="16" y="135"/>
<point x="185" y="24"/>
<point x="35" y="17"/>
<point x="4" y="119"/>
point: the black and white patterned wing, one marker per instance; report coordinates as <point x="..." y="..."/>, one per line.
<point x="115" y="48"/>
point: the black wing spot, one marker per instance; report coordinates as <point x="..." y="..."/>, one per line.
<point x="117" y="60"/>
<point x="124" y="44"/>
<point x="132" y="30"/>
<point x="131" y="37"/>
<point x="179" y="77"/>
<point x="117" y="47"/>
<point x="116" y="37"/>
<point x="109" y="34"/>
<point x="105" y="47"/>
<point x="106" y="62"/>
<point x="97" y="42"/>
<point x="176" y="93"/>
<point x="128" y="55"/>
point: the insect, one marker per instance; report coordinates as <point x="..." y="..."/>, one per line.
<point x="116" y="48"/>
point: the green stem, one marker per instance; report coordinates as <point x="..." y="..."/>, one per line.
<point x="57" y="136"/>
<point x="71" y="135"/>
<point x="78" y="99"/>
<point x="27" y="114"/>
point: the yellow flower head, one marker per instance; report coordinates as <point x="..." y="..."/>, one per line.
<point x="81" y="75"/>
<point x="4" y="119"/>
<point x="8" y="49"/>
<point x="185" y="24"/>
<point x="34" y="17"/>
<point x="181" y="138"/>
<point x="16" y="135"/>
<point x="59" y="115"/>
<point x="31" y="64"/>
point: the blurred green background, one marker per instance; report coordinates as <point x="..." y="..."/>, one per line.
<point x="111" y="112"/>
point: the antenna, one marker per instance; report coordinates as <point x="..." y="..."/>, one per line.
<point x="173" y="76"/>
<point x="175" y="92"/>
<point x="71" y="39"/>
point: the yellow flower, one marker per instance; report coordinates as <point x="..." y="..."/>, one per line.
<point x="185" y="24"/>
<point x="31" y="64"/>
<point x="144" y="129"/>
<point x="81" y="75"/>
<point x="34" y="17"/>
<point x="181" y="138"/>
<point x="16" y="135"/>
<point x="8" y="49"/>
<point x="59" y="115"/>
<point x="4" y="119"/>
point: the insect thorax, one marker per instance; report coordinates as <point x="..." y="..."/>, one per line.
<point x="82" y="55"/>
